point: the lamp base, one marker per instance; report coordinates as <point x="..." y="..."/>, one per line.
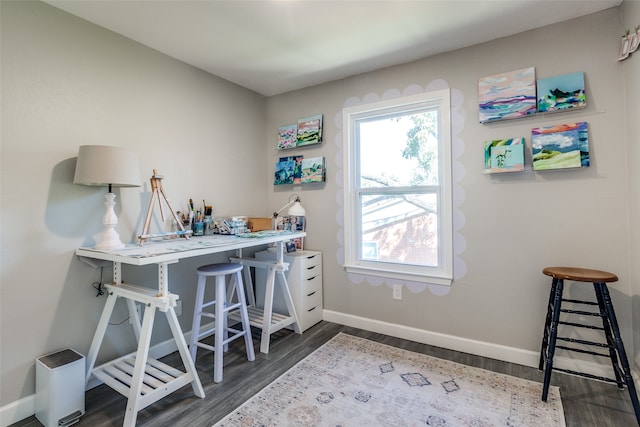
<point x="109" y="238"/>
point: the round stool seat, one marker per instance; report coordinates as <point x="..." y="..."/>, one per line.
<point x="219" y="269"/>
<point x="580" y="274"/>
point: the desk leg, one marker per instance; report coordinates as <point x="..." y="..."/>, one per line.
<point x="248" y="285"/>
<point x="184" y="352"/>
<point x="99" y="335"/>
<point x="138" y="371"/>
<point x="134" y="317"/>
<point x="268" y="309"/>
<point x="288" y="300"/>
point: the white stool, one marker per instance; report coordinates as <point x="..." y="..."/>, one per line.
<point x="222" y="308"/>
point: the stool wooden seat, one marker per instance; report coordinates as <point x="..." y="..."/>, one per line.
<point x="616" y="352"/>
<point x="222" y="308"/>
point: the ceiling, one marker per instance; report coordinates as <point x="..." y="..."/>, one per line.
<point x="275" y="46"/>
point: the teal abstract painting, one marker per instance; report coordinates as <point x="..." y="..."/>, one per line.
<point x="561" y="93"/>
<point x="504" y="155"/>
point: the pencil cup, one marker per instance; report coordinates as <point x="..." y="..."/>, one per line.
<point x="208" y="226"/>
<point x="198" y="228"/>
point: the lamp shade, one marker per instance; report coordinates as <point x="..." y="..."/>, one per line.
<point x="107" y="166"/>
<point x="296" y="209"/>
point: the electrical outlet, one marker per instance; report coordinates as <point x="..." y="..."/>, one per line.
<point x="178" y="308"/>
<point x="397" y="291"/>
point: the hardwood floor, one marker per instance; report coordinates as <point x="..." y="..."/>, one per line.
<point x="586" y="402"/>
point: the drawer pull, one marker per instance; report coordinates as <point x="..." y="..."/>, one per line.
<point x="311" y="278"/>
<point x="312" y="267"/>
<point x="311" y="309"/>
<point x="312" y="293"/>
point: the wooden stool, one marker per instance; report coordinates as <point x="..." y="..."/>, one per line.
<point x="222" y="308"/>
<point x="610" y="328"/>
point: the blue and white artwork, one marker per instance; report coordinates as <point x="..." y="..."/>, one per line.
<point x="285" y="172"/>
<point x="560" y="146"/>
<point x="508" y="95"/>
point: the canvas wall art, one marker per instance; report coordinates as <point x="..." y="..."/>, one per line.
<point x="504" y="155"/>
<point x="297" y="167"/>
<point x="310" y="130"/>
<point x="561" y="93"/>
<point x="285" y="170"/>
<point x="560" y="146"/>
<point x="287" y="137"/>
<point x="507" y="95"/>
<point x="313" y="170"/>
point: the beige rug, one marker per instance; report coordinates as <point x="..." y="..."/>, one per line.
<point x="351" y="381"/>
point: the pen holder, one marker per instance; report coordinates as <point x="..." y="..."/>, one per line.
<point x="209" y="226"/>
<point x="198" y="228"/>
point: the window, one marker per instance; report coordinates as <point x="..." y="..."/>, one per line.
<point x="397" y="188"/>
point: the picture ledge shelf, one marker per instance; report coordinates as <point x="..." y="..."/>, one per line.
<point x="316" y="145"/>
<point x="579" y="111"/>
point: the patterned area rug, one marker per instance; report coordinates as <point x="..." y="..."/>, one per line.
<point x="352" y="381"/>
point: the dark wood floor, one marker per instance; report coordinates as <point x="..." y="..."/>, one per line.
<point x="586" y="403"/>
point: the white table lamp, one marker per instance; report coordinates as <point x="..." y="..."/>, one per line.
<point x="106" y="166"/>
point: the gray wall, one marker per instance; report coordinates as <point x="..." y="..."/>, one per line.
<point x="630" y="11"/>
<point x="67" y="83"/>
<point x="510" y="225"/>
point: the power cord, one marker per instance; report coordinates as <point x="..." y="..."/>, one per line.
<point x="119" y="323"/>
<point x="98" y="285"/>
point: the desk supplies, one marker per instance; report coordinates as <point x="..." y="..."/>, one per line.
<point x="259" y="224"/>
<point x="198" y="228"/>
<point x="233" y="225"/>
<point x="209" y="225"/>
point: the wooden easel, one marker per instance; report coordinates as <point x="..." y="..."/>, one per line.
<point x="156" y="191"/>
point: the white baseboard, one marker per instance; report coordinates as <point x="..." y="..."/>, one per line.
<point x="466" y="345"/>
<point x="18" y="410"/>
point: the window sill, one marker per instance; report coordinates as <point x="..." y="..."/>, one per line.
<point x="400" y="275"/>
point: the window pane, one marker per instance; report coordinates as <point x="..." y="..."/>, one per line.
<point x="399" y="150"/>
<point x="397" y="188"/>
<point x="400" y="228"/>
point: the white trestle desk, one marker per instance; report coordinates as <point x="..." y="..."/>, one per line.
<point x="144" y="380"/>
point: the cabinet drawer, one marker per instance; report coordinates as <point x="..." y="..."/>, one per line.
<point x="310" y="261"/>
<point x="311" y="271"/>
<point x="311" y="285"/>
<point x="313" y="299"/>
<point x="310" y="316"/>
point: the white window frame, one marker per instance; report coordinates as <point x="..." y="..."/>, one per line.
<point x="353" y="263"/>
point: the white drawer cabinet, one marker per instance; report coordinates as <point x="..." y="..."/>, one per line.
<point x="304" y="278"/>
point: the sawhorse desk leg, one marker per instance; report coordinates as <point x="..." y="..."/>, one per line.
<point x="265" y="318"/>
<point x="139" y="378"/>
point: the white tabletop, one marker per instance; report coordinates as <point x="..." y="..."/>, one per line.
<point x="156" y="252"/>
